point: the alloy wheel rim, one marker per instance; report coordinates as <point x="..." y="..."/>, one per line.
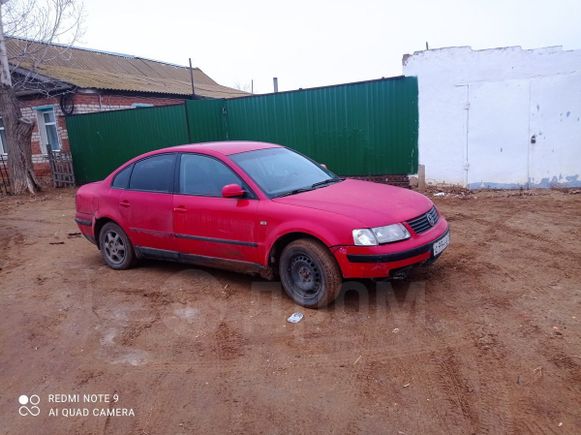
<point x="114" y="246"/>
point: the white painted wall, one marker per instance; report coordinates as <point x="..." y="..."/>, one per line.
<point x="478" y="111"/>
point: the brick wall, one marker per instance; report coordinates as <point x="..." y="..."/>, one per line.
<point x="84" y="103"/>
<point x="395" y="180"/>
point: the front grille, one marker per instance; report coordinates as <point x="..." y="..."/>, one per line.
<point x="422" y="223"/>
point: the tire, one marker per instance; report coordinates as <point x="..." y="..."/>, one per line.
<point x="116" y="249"/>
<point x="309" y="273"/>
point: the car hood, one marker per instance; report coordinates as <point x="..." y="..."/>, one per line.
<point x="372" y="204"/>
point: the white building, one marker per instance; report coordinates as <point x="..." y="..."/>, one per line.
<point x="499" y="118"/>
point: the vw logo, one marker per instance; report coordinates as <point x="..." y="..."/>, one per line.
<point x="431" y="219"/>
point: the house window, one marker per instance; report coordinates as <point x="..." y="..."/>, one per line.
<point x="140" y="105"/>
<point x="48" y="130"/>
<point x="3" y="146"/>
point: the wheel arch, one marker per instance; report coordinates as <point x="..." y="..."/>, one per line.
<point x="99" y="224"/>
<point x="283" y="240"/>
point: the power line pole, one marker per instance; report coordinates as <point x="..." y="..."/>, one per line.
<point x="191" y="77"/>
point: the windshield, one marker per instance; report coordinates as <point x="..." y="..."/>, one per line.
<point x="280" y="171"/>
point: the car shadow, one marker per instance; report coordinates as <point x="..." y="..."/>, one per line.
<point x="355" y="295"/>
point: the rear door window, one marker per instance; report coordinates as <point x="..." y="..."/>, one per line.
<point x="121" y="180"/>
<point x="154" y="174"/>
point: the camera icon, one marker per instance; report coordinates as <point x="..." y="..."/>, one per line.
<point x="29" y="405"/>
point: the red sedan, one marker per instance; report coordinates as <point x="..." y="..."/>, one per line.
<point x="259" y="208"/>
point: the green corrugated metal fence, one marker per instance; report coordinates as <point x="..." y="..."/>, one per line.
<point x="206" y="120"/>
<point x="366" y="128"/>
<point x="100" y="142"/>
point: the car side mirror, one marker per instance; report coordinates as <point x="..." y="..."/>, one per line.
<point x="324" y="166"/>
<point x="233" y="191"/>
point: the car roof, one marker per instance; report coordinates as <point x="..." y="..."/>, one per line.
<point x="225" y="148"/>
<point x="215" y="149"/>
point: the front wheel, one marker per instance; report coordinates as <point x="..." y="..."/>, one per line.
<point x="116" y="248"/>
<point x="309" y="273"/>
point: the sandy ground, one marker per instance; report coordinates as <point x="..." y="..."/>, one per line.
<point x="487" y="340"/>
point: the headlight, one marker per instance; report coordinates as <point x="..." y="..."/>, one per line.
<point x="391" y="233"/>
<point x="364" y="237"/>
<point x="375" y="236"/>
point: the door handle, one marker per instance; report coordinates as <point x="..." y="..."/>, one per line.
<point x="180" y="209"/>
<point x="124" y="203"/>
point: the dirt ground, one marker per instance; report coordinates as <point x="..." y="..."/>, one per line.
<point x="487" y="340"/>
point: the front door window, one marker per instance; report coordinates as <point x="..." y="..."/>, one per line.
<point x="204" y="176"/>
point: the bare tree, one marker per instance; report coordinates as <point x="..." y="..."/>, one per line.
<point x="38" y="23"/>
<point x="246" y="86"/>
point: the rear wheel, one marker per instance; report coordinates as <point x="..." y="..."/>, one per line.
<point x="116" y="248"/>
<point x="309" y="273"/>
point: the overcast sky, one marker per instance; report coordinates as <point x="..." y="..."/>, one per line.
<point x="309" y="43"/>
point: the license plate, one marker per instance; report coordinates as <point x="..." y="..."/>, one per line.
<point x="441" y="244"/>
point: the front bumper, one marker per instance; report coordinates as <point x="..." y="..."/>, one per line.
<point x="380" y="261"/>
